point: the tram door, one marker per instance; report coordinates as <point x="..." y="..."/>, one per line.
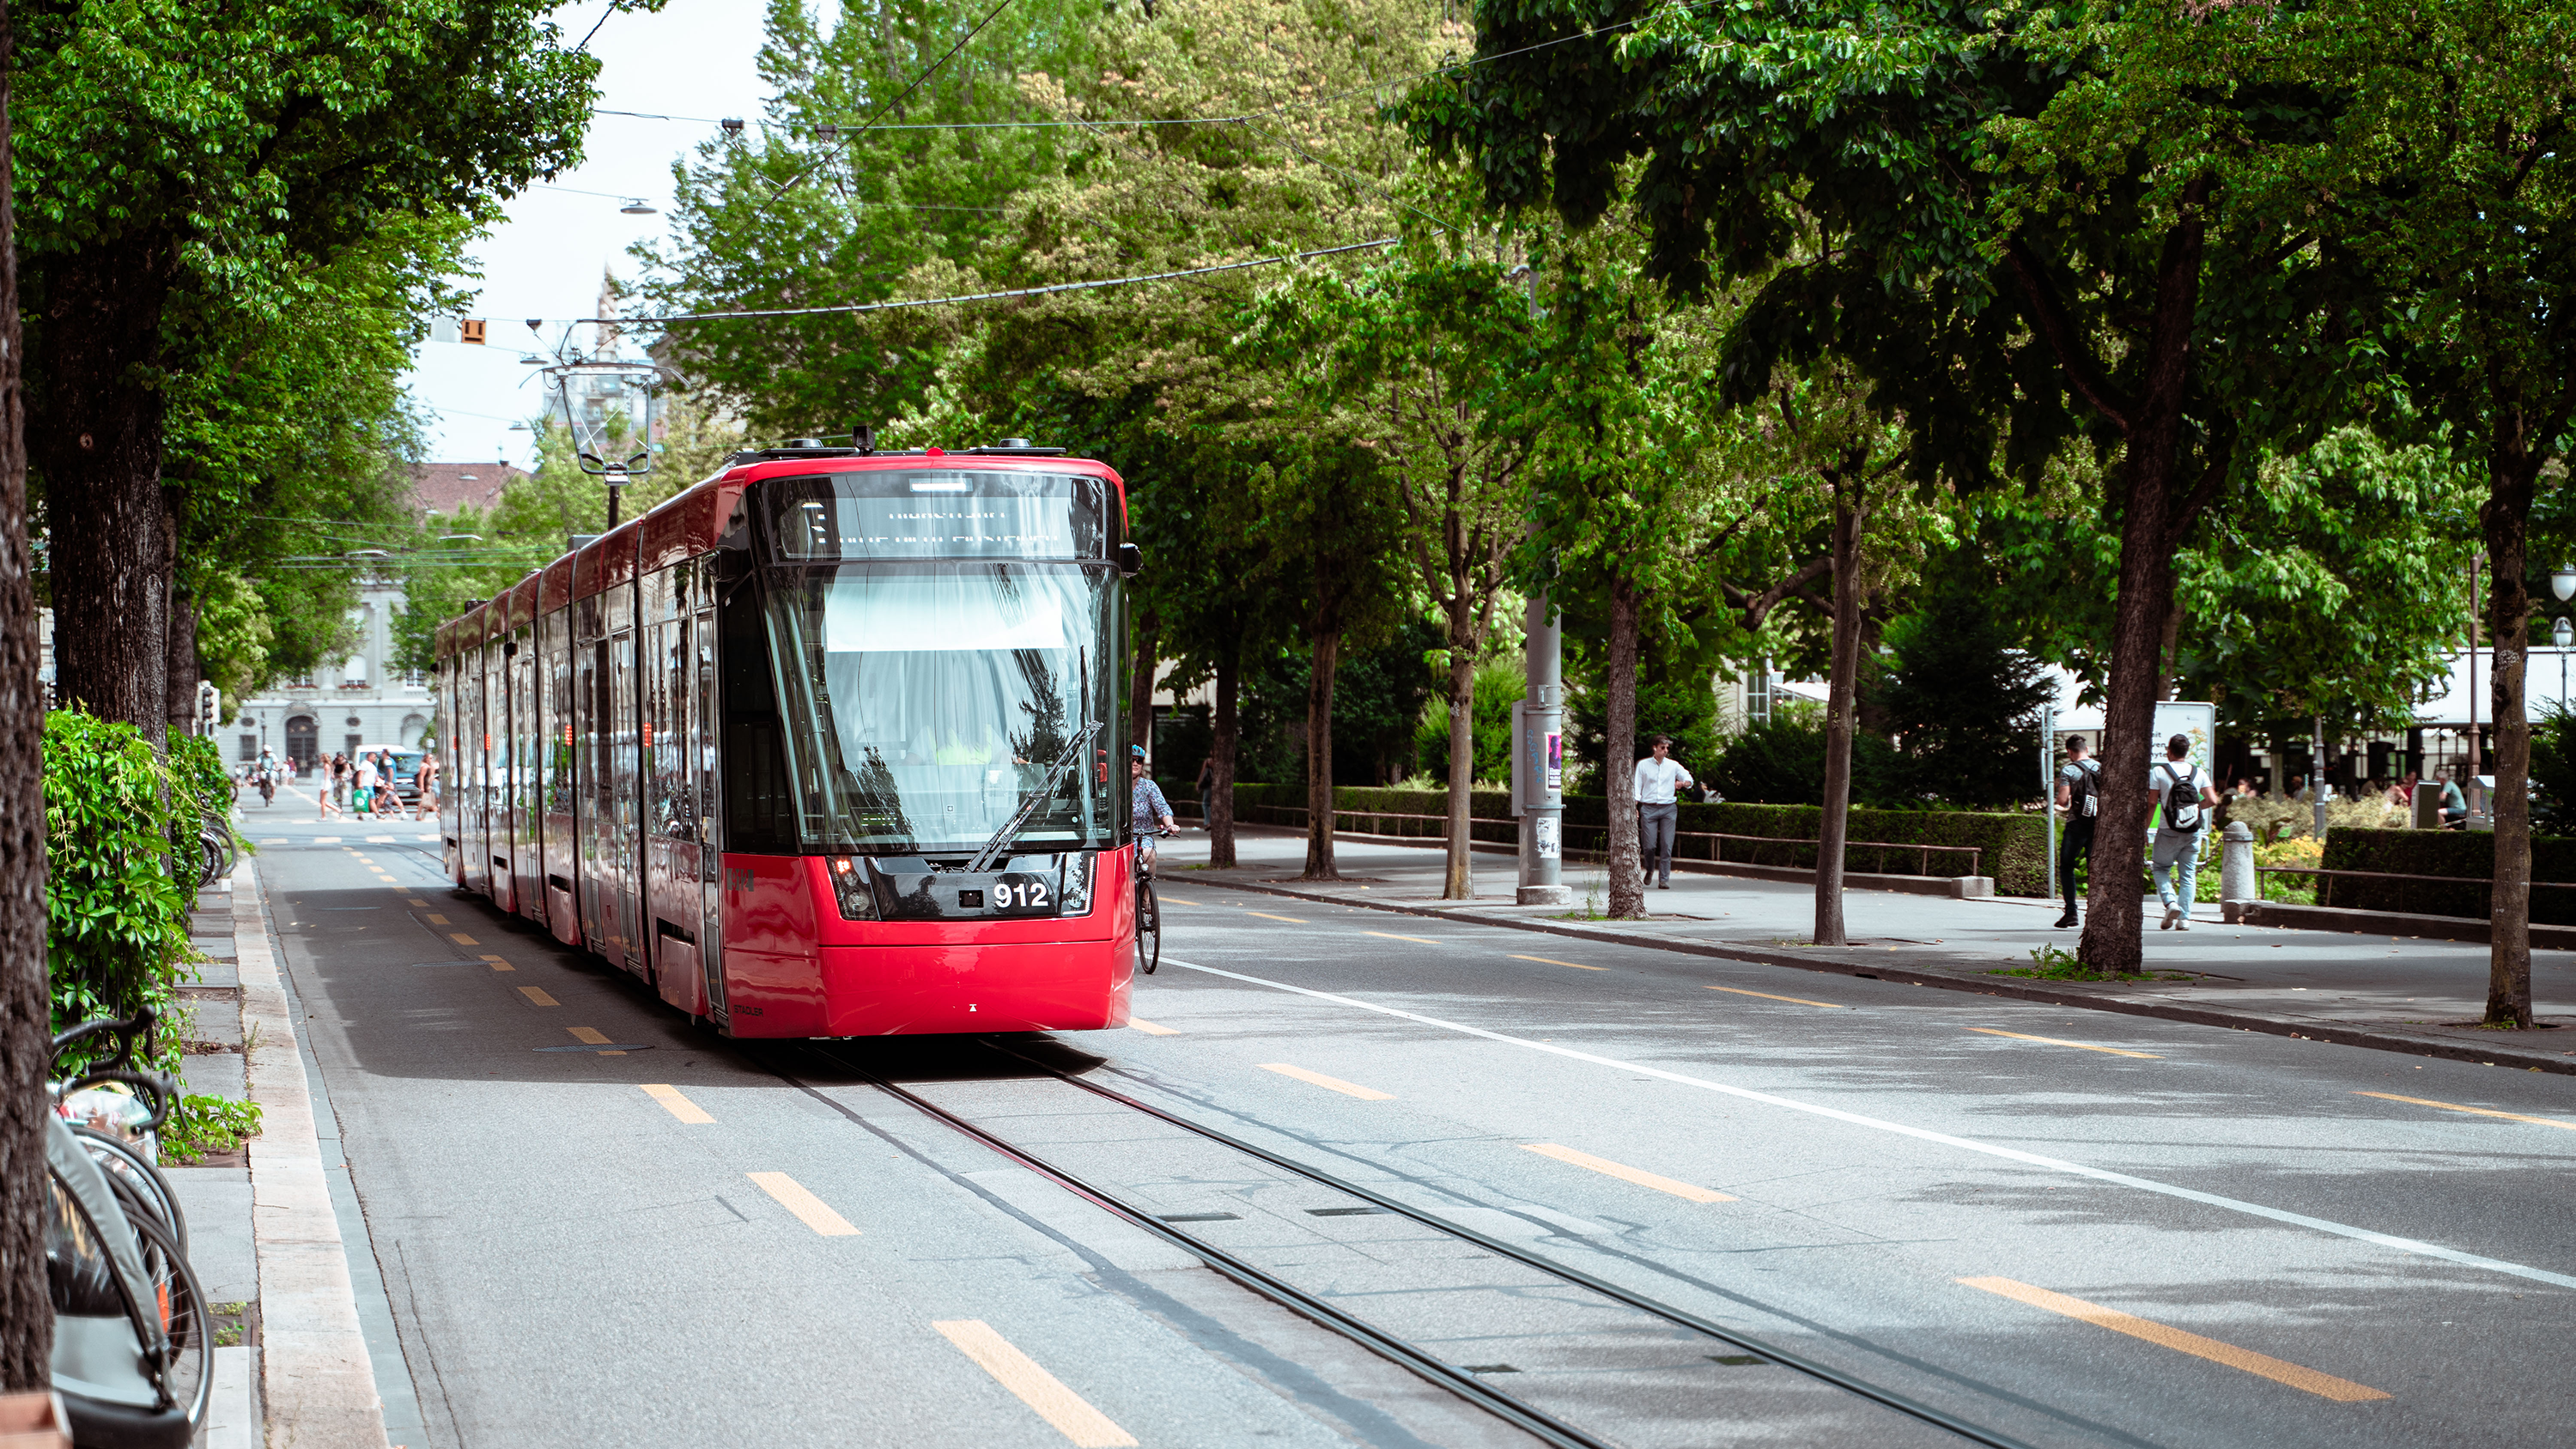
<point x="625" y="787"/>
<point x="526" y="735"/>
<point x="701" y="763"/>
<point x="590" y="735"/>
<point x="671" y="868"/>
<point x="474" y="750"/>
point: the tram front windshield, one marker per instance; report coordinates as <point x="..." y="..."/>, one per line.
<point x="928" y="702"/>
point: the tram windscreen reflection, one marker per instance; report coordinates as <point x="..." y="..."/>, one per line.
<point x="934" y="698"/>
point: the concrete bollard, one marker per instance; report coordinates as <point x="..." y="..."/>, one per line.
<point x="2238" y="886"/>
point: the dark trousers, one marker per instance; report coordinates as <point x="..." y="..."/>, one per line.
<point x="2076" y="844"/>
<point x="1655" y="827"/>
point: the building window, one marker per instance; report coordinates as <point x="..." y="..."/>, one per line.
<point x="1759" y="692"/>
<point x="249" y="748"/>
<point x="415" y="679"/>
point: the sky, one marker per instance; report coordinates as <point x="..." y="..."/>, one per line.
<point x="694" y="58"/>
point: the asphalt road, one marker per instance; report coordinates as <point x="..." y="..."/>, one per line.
<point x="2068" y="1227"/>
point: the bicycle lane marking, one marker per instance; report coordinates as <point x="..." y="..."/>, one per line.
<point x="1926" y="1134"/>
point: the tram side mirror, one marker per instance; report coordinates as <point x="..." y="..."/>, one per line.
<point x="1130" y="559"/>
<point x="733" y="565"/>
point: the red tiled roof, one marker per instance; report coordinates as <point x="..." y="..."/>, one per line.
<point x="444" y="487"/>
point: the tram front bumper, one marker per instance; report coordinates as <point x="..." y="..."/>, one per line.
<point x="1051" y="986"/>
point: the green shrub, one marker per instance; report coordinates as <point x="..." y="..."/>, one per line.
<point x="2465" y="856"/>
<point x="2013" y="848"/>
<point x="117" y="896"/>
<point x="1498" y="688"/>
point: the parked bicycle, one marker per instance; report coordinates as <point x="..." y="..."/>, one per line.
<point x="133" y="1338"/>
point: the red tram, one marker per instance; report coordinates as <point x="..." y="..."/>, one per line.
<point x="823" y="746"/>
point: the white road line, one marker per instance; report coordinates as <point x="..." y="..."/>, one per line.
<point x="1925" y="1134"/>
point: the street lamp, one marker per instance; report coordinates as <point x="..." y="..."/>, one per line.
<point x="2562" y="633"/>
<point x="609" y="407"/>
<point x="2562" y="582"/>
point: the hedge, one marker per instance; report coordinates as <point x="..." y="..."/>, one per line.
<point x="2013" y="848"/>
<point x="2466" y="856"/>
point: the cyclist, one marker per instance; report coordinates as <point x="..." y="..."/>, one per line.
<point x="1145" y="802"/>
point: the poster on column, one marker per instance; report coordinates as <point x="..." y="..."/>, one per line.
<point x="2194" y="721"/>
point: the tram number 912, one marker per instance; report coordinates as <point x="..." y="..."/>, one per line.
<point x="1014" y="895"/>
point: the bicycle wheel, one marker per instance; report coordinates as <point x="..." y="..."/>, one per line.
<point x="1149" y="928"/>
<point x="128" y="1171"/>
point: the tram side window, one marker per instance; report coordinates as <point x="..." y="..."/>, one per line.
<point x="760" y="814"/>
<point x="558" y="713"/>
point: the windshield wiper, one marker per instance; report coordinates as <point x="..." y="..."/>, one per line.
<point x="1019" y="820"/>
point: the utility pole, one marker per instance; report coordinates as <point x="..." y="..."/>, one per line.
<point x="1538" y="762"/>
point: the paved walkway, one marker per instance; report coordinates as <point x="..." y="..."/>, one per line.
<point x="2404" y="994"/>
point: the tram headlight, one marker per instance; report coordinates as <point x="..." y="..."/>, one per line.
<point x="1074" y="896"/>
<point x="850" y="888"/>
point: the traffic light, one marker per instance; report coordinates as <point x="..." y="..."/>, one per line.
<point x="210" y="707"/>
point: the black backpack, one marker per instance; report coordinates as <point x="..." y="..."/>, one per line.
<point x="2182" y="797"/>
<point x="2084" y="792"/>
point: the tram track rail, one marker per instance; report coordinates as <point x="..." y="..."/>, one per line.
<point x="1456" y="1379"/>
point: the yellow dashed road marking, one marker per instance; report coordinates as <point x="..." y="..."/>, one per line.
<point x="1552" y="961"/>
<point x="2084" y="1046"/>
<point x="462" y="939"/>
<point x="500" y="965"/>
<point x="538" y="995"/>
<point x="2324" y="1385"/>
<point x="1138" y="1023"/>
<point x="2480" y="1111"/>
<point x="1071" y="1415"/>
<point x="436" y="919"/>
<point x="1391" y="936"/>
<point x="681" y="1107"/>
<point x="808" y="1208"/>
<point x="1767" y="996"/>
<point x="1336" y="1084"/>
<point x="416" y="903"/>
<point x="592" y="1036"/>
<point x="1625" y="1173"/>
<point x="1265" y="915"/>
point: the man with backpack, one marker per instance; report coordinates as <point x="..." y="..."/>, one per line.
<point x="2188" y="800"/>
<point x="2079" y="801"/>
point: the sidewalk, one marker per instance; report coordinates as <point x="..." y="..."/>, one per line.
<point x="2407" y="995"/>
<point x="288" y="1367"/>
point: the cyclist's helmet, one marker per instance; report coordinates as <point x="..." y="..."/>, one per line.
<point x="1136" y="752"/>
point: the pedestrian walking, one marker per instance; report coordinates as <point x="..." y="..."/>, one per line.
<point x="362" y="785"/>
<point x="326" y="784"/>
<point x="428" y="779"/>
<point x="2079" y="802"/>
<point x="1658" y="813"/>
<point x="2187" y="799"/>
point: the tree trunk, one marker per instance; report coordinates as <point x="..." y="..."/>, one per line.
<point x="1140" y="692"/>
<point x="97" y="438"/>
<point x="181" y="670"/>
<point x="2507" y="516"/>
<point x="2151" y="526"/>
<point x="1834" y="828"/>
<point x="1228" y="731"/>
<point x="2171" y="652"/>
<point x="1319" y="756"/>
<point x="1619" y="764"/>
<point x="26" y="1013"/>
<point x="1460" y="883"/>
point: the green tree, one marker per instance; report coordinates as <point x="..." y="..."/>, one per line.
<point x="1414" y="358"/>
<point x="2465" y="210"/>
<point x="199" y="166"/>
<point x="884" y="147"/>
<point x="2074" y="216"/>
<point x="1961" y="700"/>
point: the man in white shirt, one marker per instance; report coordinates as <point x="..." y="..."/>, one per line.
<point x="363" y="798"/>
<point x="1658" y="814"/>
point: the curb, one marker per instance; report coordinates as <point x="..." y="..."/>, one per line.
<point x="316" y="1381"/>
<point x="2017" y="989"/>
